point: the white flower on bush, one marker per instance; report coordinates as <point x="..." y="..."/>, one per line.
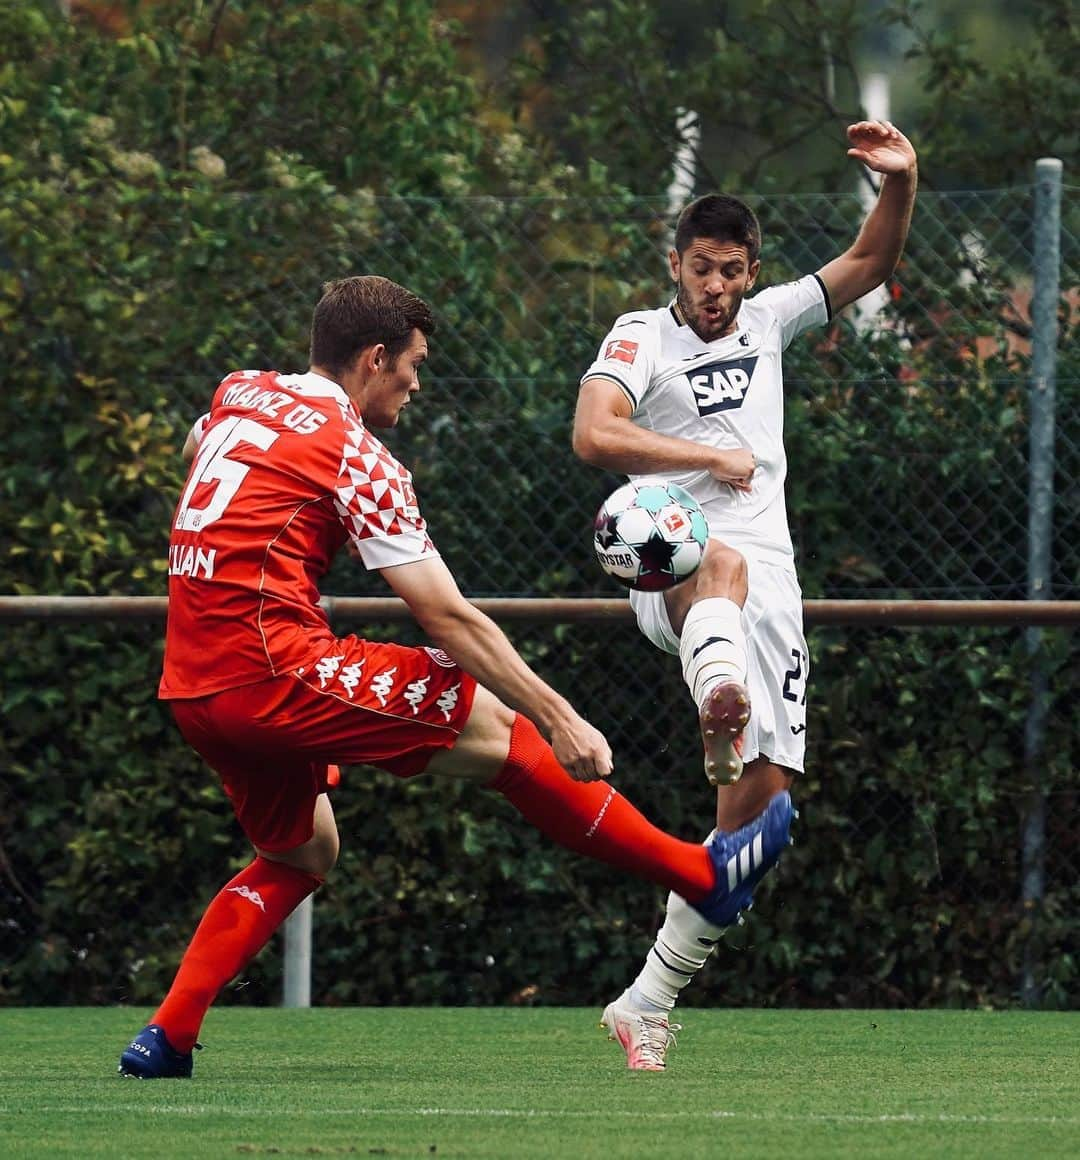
<point x="100" y="128"/>
<point x="510" y="151"/>
<point x="207" y="162"/>
<point x="278" y="167"/>
<point x="134" y="164"/>
<point x="451" y="167"/>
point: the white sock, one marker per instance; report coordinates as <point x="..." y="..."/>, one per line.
<point x="682" y="945"/>
<point x="712" y="646"/>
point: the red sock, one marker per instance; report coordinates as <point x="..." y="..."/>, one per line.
<point x="236" y="925"/>
<point x="594" y="819"/>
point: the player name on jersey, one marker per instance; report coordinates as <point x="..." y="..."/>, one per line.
<point x="301" y="418"/>
<point x="191" y="561"/>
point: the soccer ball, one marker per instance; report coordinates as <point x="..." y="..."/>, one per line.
<point x="650" y="535"/>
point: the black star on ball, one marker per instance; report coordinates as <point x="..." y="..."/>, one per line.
<point x="656" y="554"/>
<point x="606" y="533"/>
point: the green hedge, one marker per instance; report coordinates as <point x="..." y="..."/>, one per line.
<point x="902" y="888"/>
<point x="134" y="272"/>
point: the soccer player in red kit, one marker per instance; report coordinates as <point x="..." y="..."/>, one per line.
<point x="285" y="472"/>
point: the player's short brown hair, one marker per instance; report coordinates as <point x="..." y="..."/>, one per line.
<point x="721" y="218"/>
<point x="355" y="313"/>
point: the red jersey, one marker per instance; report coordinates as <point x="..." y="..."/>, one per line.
<point x="285" y="473"/>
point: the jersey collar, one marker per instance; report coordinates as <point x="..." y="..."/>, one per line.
<point x="315" y="386"/>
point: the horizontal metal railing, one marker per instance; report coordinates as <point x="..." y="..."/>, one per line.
<point x="578" y="610"/>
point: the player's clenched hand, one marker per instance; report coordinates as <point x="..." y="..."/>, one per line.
<point x="880" y="146"/>
<point x="736" y="467"/>
<point x="581" y="750"/>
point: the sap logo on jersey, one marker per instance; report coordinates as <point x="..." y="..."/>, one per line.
<point x="722" y="386"/>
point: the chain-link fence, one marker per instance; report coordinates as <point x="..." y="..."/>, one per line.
<point x="909" y="458"/>
<point x="885" y="404"/>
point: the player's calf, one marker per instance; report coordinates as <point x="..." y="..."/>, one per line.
<point x="741" y="859"/>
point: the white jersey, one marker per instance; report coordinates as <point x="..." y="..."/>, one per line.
<point x="727" y="394"/>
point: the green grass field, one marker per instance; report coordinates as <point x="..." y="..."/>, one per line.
<point x="546" y="1083"/>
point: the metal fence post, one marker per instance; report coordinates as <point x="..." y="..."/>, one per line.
<point x="1044" y="307"/>
<point x="296" y="990"/>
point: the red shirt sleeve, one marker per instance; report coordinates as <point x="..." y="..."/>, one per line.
<point x="376" y="503"/>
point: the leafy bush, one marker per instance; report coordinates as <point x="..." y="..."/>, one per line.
<point x="171" y="200"/>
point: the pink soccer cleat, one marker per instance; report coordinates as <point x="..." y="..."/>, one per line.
<point x="644" y="1035"/>
<point x="723" y="719"/>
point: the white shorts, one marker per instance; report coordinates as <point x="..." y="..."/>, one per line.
<point x="777" y="658"/>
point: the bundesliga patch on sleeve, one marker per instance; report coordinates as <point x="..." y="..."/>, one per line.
<point x="622" y="349"/>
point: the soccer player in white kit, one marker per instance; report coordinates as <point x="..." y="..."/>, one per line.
<point x="693" y="393"/>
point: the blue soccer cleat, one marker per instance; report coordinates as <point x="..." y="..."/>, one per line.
<point x="151" y="1056"/>
<point x="743" y="858"/>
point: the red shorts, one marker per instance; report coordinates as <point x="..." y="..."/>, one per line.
<point x="386" y="705"/>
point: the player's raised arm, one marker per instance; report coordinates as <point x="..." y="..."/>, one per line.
<point x="873" y="255"/>
<point x="481" y="648"/>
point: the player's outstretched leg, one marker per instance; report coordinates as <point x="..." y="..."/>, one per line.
<point x="594" y="819"/>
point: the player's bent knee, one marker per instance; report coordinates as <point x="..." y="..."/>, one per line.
<point x="482" y="747"/>
<point x="319" y="854"/>
<point x="723" y="565"/>
<point x="723" y="573"/>
<point x="317" y="859"/>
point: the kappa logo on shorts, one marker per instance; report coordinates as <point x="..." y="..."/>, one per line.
<point x="415" y="692"/>
<point x="443" y="660"/>
<point x="350" y="677"/>
<point x="383" y="685"/>
<point x="448" y="700"/>
<point x="722" y="386"/>
<point x="326" y="669"/>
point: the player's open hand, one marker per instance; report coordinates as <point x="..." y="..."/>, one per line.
<point x="581" y="750"/>
<point x="880" y="146"/>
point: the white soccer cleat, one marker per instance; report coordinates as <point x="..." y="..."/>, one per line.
<point x="723" y="719"/>
<point x="644" y="1035"/>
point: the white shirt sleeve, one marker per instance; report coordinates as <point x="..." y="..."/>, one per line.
<point x="627" y="356"/>
<point x="797" y="305"/>
<point x="198" y="428"/>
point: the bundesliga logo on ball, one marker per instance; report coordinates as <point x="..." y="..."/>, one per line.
<point x="650" y="535"/>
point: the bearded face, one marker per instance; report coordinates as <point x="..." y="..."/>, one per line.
<point x="712" y="278"/>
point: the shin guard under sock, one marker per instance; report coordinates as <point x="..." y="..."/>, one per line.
<point x="682" y="946"/>
<point x="712" y="646"/>
<point x="594" y="819"/>
<point x="237" y="924"/>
